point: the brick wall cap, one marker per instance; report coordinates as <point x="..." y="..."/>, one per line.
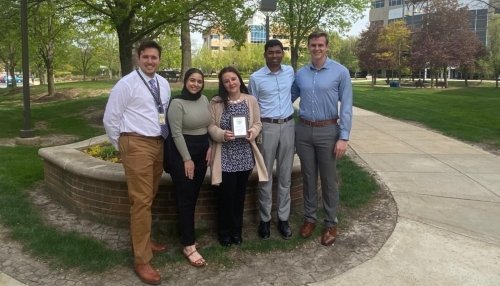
<point x="70" y="158"/>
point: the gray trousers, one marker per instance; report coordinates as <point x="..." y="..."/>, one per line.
<point x="277" y="143"/>
<point x="315" y="149"/>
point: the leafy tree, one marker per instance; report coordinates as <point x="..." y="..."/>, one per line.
<point x="343" y="51"/>
<point x="445" y="39"/>
<point x="171" y="56"/>
<point x="10" y="50"/>
<point x="205" y="60"/>
<point x="367" y="49"/>
<point x="494" y="46"/>
<point x="135" y="20"/>
<point x="249" y="58"/>
<point x="393" y="42"/>
<point x="50" y="23"/>
<point x="86" y="41"/>
<point x="107" y="53"/>
<point x="228" y="17"/>
<point x="301" y="17"/>
<point x="467" y="57"/>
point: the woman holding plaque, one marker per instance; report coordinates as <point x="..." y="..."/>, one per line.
<point x="235" y="125"/>
<point x="187" y="161"/>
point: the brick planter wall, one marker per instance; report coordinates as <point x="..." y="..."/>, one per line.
<point x="97" y="190"/>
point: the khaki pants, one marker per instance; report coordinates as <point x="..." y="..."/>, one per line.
<point x="143" y="163"/>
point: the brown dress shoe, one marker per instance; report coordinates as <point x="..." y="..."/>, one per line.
<point x="307" y="229"/>
<point x="158" y="247"/>
<point x="329" y="236"/>
<point x="147" y="274"/>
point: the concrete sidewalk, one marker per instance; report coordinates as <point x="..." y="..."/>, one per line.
<point x="448" y="197"/>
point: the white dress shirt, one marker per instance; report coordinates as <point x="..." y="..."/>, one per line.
<point x="132" y="108"/>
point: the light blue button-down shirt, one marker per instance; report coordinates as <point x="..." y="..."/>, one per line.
<point x="321" y="90"/>
<point x="273" y="91"/>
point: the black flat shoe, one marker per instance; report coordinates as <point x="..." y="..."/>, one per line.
<point x="236" y="239"/>
<point x="284" y="229"/>
<point x="225" y="241"/>
<point x="264" y="229"/>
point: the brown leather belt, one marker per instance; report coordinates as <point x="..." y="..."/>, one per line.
<point x="139" y="135"/>
<point x="321" y="123"/>
<point x="277" y="121"/>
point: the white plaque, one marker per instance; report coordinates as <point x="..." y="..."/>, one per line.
<point x="239" y="125"/>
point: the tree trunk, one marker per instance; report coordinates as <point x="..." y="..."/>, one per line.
<point x="42" y="75"/>
<point x="186" y="47"/>
<point x="445" y="76"/>
<point x="49" y="66"/>
<point x="466" y="78"/>
<point x="50" y="79"/>
<point x="12" y="77"/>
<point x="432" y="77"/>
<point x="125" y="47"/>
<point x="294" y="56"/>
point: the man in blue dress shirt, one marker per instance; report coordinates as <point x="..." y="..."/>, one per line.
<point x="271" y="85"/>
<point x="322" y="133"/>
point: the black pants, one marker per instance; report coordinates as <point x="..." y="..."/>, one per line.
<point x="186" y="190"/>
<point x="231" y="200"/>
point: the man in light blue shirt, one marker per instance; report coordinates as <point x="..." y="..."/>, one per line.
<point x="322" y="133"/>
<point x="271" y="85"/>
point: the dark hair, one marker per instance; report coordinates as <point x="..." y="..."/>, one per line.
<point x="148" y="44"/>
<point x="185" y="94"/>
<point x="223" y="94"/>
<point x="317" y="34"/>
<point x="272" y="43"/>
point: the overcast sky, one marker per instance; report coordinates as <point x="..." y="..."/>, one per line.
<point x="360" y="25"/>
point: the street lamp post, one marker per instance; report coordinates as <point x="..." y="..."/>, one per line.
<point x="27" y="131"/>
<point x="267" y="7"/>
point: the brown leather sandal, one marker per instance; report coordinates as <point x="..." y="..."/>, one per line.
<point x="198" y="263"/>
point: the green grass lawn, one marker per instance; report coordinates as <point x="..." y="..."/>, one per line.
<point x="470" y="114"/>
<point x="21" y="168"/>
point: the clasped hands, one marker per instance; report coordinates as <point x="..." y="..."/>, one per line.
<point x="229" y="135"/>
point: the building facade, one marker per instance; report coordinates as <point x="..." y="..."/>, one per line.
<point x="412" y="11"/>
<point x="256" y="34"/>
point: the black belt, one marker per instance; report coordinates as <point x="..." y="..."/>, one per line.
<point x="278" y="121"/>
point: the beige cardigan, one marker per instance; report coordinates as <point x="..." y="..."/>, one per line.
<point x="217" y="134"/>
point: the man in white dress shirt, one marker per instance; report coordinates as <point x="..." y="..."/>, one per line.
<point x="135" y="122"/>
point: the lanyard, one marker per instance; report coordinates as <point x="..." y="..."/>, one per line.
<point x="156" y="97"/>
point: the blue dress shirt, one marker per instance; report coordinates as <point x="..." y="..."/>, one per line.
<point x="321" y="90"/>
<point x="273" y="91"/>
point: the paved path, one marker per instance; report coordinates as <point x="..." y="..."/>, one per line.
<point x="448" y="197"/>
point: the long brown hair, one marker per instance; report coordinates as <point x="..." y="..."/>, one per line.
<point x="223" y="93"/>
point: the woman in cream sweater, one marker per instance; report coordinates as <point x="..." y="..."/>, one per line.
<point x="233" y="157"/>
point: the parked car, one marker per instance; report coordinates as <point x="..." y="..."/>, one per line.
<point x="10" y="79"/>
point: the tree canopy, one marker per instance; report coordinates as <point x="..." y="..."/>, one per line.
<point x="298" y="18"/>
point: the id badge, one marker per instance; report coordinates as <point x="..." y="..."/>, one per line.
<point x="161" y="118"/>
